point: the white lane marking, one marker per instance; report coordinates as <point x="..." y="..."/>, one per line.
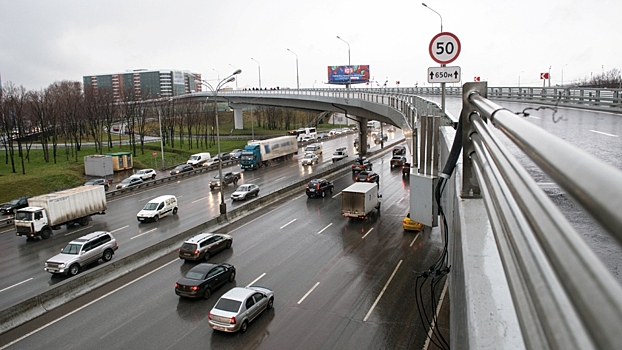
<point x="438" y="310"/>
<point x="144" y="233"/>
<point x="119" y="229"/>
<point x="414" y="239"/>
<point x="382" y="292"/>
<point x="256" y="279"/>
<point x="302" y="195"/>
<point x="280" y="228"/>
<point x="365" y="235"/>
<point x="85" y="305"/>
<point x="15" y="285"/>
<point x="82" y="229"/>
<point x="532" y="117"/>
<point x="280" y="178"/>
<point x="309" y="292"/>
<point x="198" y="200"/>
<point x="327" y="226"/>
<point x="338" y="194"/>
<point x="11" y="229"/>
<point x="604" y="133"/>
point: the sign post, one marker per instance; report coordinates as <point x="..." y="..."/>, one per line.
<point x="444" y="48"/>
<point x="155" y="161"/>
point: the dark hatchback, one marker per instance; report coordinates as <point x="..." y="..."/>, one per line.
<point x="361" y="164"/>
<point x="367" y="176"/>
<point x="183" y="168"/>
<point x="203" y="279"/>
<point x="15" y="204"/>
<point x="319" y="188"/>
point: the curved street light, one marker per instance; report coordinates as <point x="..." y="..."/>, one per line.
<point x="349" y="64"/>
<point x="236" y="81"/>
<point x="223" y="205"/>
<point x="258" y="69"/>
<point x="297" y="80"/>
<point x="431" y="9"/>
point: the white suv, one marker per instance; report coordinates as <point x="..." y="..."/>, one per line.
<point x="81" y="252"/>
<point x="145" y="174"/>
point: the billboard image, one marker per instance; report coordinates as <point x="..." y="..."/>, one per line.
<point x="348" y="74"/>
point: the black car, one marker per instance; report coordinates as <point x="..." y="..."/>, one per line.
<point x="361" y="164"/>
<point x="399" y="150"/>
<point x="12" y="206"/>
<point x="182" y="169"/>
<point x="398" y="161"/>
<point x="235" y="154"/>
<point x="101" y="182"/>
<point x="203" y="279"/>
<point x="367" y="176"/>
<point x="223" y="156"/>
<point x="319" y="188"/>
<point x="405" y="169"/>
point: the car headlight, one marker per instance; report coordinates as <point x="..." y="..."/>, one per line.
<point x="61" y="265"/>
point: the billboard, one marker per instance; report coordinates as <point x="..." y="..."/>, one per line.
<point x="348" y="74"/>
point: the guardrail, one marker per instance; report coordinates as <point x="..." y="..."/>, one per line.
<point x="563" y="295"/>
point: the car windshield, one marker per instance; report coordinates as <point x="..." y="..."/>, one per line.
<point x="23" y="215"/>
<point x="308" y="155"/>
<point x="242" y="189"/>
<point x="15" y="201"/>
<point x="193" y="275"/>
<point x="73" y="249"/>
<point x="126" y="181"/>
<point x="228" y="305"/>
<point x="150" y="206"/>
<point x="180" y="168"/>
<point x="194" y="157"/>
<point x="87" y="183"/>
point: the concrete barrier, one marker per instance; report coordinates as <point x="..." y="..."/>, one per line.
<point x="81" y="284"/>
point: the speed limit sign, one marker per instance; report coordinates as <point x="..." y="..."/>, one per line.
<point x="444" y="48"/>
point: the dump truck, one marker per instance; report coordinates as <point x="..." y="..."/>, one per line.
<point x="359" y="199"/>
<point x="68" y="207"/>
<point x="259" y="153"/>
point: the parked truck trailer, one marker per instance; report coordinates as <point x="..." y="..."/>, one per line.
<point x="259" y="153"/>
<point x="50" y="211"/>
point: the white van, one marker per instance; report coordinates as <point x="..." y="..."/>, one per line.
<point x="157" y="208"/>
<point x="315" y="148"/>
<point x="199" y="159"/>
<point x="306" y="133"/>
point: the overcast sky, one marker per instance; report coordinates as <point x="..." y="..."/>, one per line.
<point x="44" y="41"/>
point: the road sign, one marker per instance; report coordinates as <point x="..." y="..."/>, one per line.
<point x="444" y="74"/>
<point x="444" y="48"/>
<point x="544" y="75"/>
<point x="155" y="154"/>
<point x="476" y="79"/>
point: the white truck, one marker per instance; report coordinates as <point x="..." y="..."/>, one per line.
<point x="359" y="199"/>
<point x="200" y="159"/>
<point x="49" y="211"/>
<point x="259" y="153"/>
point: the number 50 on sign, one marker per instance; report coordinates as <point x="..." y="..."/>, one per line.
<point x="444" y="48"/>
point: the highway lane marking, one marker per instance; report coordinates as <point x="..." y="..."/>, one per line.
<point x="382" y="292"/>
<point x="120" y="228"/>
<point x="309" y="292"/>
<point x="280" y="228"/>
<point x="604" y="133"/>
<point x="414" y="239"/>
<point x="532" y="117"/>
<point x="256" y="219"/>
<point x="280" y="178"/>
<point x="82" y="229"/>
<point x="11" y="229"/>
<point x="327" y="226"/>
<point x="338" y="194"/>
<point x="256" y="279"/>
<point x="438" y="310"/>
<point x="15" y="285"/>
<point x="198" y="200"/>
<point x="84" y="306"/>
<point x="365" y="235"/>
<point x="144" y="233"/>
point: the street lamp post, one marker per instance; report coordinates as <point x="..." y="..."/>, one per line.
<point x="259" y="70"/>
<point x="442" y="65"/>
<point x="563" y="74"/>
<point x="217" y="74"/>
<point x="221" y="83"/>
<point x="349" y="64"/>
<point x="236" y="81"/>
<point x="297" y="80"/>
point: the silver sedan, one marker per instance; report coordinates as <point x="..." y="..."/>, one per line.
<point x="240" y="306"/>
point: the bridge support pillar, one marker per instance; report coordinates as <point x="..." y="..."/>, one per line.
<point x="362" y="147"/>
<point x="238" y="121"/>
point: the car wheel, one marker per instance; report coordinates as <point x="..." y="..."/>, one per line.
<point x="153" y="177"/>
<point x="232" y="276"/>
<point x="207" y="293"/>
<point x="106" y="188"/>
<point x="270" y="304"/>
<point x="84" y="221"/>
<point x="323" y="193"/>
<point x="156" y="218"/>
<point x="235" y="182"/>
<point x="74" y="269"/>
<point x="331" y="190"/>
<point x="206" y="256"/>
<point x="46" y="233"/>
<point x="107" y="255"/>
<point x="175" y="211"/>
<point x="229" y="245"/>
<point x="309" y="196"/>
<point x="244" y="326"/>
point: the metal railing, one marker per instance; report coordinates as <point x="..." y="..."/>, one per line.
<point x="563" y="295"/>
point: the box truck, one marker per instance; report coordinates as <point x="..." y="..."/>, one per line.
<point x="48" y="212"/>
<point x="260" y="153"/>
<point x="358" y="200"/>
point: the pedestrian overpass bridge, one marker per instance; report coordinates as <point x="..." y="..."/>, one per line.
<point x="520" y="276"/>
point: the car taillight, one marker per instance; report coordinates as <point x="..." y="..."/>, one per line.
<point x="232" y="321"/>
<point x="209" y="315"/>
<point x="196" y="252"/>
<point x="176" y="285"/>
<point x="368" y="178"/>
<point x="194" y="288"/>
<point x="318" y="186"/>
